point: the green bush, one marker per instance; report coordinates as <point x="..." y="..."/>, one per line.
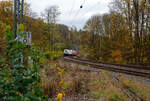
<point x="18" y="82"/>
<point x="53" y="55"/>
<point x="115" y="97"/>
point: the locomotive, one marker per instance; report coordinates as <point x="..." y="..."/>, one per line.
<point x="70" y="52"/>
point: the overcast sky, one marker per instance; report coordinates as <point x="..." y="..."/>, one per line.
<point x="70" y="13"/>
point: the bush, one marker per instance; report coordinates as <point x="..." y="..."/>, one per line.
<point x="18" y="82"/>
<point x="115" y="97"/>
<point x="53" y="55"/>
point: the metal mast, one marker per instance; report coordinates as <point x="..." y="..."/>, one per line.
<point x="18" y="18"/>
<point x="18" y="14"/>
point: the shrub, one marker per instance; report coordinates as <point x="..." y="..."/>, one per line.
<point x="53" y="55"/>
<point x="115" y="97"/>
<point x="18" y="82"/>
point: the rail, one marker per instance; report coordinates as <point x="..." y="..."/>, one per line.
<point x="143" y="71"/>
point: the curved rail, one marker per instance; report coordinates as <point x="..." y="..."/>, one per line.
<point x="127" y="69"/>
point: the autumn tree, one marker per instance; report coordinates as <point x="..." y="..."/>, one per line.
<point x="51" y="15"/>
<point x="94" y="28"/>
<point x="6" y="18"/>
<point x="136" y="13"/>
<point x="6" y="12"/>
<point x="125" y="33"/>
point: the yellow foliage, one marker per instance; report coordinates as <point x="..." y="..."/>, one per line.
<point x="43" y="61"/>
<point x="59" y="96"/>
<point x="116" y="55"/>
<point x="60" y="71"/>
<point x="61" y="82"/>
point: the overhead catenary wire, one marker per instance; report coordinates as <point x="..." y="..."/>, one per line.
<point x="90" y="9"/>
<point x="81" y="6"/>
<point x="72" y="8"/>
<point x="75" y="16"/>
<point x="83" y="14"/>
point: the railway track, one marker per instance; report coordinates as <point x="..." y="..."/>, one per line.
<point x="143" y="71"/>
<point x="126" y="91"/>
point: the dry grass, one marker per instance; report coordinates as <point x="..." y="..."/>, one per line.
<point x="103" y="86"/>
<point x="49" y="81"/>
<point x="93" y="85"/>
<point x="140" y="88"/>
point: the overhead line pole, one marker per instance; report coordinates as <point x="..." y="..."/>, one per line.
<point x="49" y="36"/>
<point x="22" y="11"/>
<point x="18" y="14"/>
<point x="18" y="18"/>
<point x="15" y="24"/>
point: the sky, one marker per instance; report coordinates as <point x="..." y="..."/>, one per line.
<point x="71" y="14"/>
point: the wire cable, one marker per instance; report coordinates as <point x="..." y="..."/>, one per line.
<point x="75" y="16"/>
<point x="72" y="7"/>
<point x="77" y="12"/>
<point x="82" y="4"/>
<point x="91" y="8"/>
